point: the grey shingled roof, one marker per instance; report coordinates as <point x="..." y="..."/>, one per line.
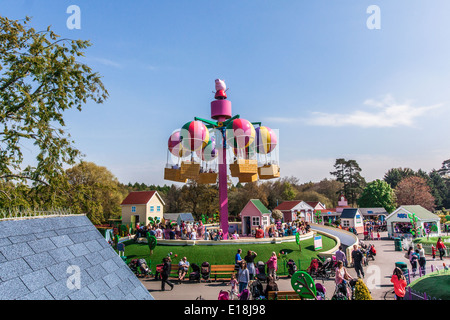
<point x="35" y="255"/>
<point x="349" y="213"/>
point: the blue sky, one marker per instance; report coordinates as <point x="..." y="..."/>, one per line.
<point x="311" y="69"/>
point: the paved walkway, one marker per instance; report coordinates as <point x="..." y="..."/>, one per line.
<point x="377" y="277"/>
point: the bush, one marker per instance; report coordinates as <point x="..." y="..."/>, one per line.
<point x="361" y="291"/>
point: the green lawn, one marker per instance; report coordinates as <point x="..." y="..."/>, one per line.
<point x="224" y="254"/>
<point x="431" y="240"/>
<point x="436" y="284"/>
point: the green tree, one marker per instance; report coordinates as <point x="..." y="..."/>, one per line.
<point x="395" y="175"/>
<point x="95" y="191"/>
<point x="349" y="173"/>
<point x="40" y="80"/>
<point x="289" y="192"/>
<point x="377" y="194"/>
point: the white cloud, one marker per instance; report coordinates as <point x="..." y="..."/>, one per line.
<point x="384" y="113"/>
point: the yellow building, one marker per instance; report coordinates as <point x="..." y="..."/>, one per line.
<point x="141" y="205"/>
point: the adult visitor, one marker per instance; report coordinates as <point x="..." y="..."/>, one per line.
<point x="183" y="267"/>
<point x="440" y="246"/>
<point x="340" y="256"/>
<point x="243" y="276"/>
<point x="357" y="257"/>
<point x="422" y="259"/>
<point x="165" y="274"/>
<point x="237" y="260"/>
<point x="250" y="260"/>
<point x="272" y="265"/>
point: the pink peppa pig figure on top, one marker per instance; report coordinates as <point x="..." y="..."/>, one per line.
<point x="221" y="88"/>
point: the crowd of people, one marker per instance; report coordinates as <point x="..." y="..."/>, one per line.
<point x="198" y="231"/>
<point x="288" y="229"/>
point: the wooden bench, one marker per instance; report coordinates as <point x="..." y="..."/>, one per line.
<point x="222" y="270"/>
<point x="283" y="295"/>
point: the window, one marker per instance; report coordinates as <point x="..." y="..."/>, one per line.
<point x="133" y="209"/>
<point x="152" y="208"/>
<point x="266" y="221"/>
<point x="158" y="208"/>
<point x="345" y="223"/>
<point x="255" y="221"/>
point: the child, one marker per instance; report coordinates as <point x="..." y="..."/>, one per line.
<point x="378" y="235"/>
<point x="234" y="286"/>
<point x="445" y="267"/>
<point x="433" y="252"/>
<point x="414" y="259"/>
<point x="399" y="281"/>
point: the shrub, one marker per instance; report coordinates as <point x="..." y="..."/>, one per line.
<point x="361" y="291"/>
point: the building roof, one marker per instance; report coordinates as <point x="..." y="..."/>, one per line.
<point x="314" y="203"/>
<point x="35" y="256"/>
<point x="373" y="211"/>
<point x="420" y="212"/>
<point x="259" y="205"/>
<point x="349" y="213"/>
<point x="140" y="197"/>
<point x="287" y="205"/>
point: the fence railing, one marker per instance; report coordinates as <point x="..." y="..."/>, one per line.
<point x="406" y="243"/>
<point x="15" y="214"/>
<point x="410" y="276"/>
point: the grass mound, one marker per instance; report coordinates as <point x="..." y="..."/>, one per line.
<point x="224" y="254"/>
<point x="436" y="284"/>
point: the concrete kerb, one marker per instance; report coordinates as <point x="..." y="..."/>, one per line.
<point x="332" y="233"/>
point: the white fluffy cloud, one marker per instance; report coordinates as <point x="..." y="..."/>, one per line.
<point x="375" y="114"/>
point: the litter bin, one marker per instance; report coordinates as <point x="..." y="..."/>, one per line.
<point x="398" y="244"/>
<point x="404" y="267"/>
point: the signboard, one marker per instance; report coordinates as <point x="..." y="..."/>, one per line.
<point x="402" y="215"/>
<point x="317" y="242"/>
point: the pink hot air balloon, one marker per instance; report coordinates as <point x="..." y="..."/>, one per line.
<point x="240" y="133"/>
<point x="194" y="136"/>
<point x="174" y="145"/>
<point x="266" y="140"/>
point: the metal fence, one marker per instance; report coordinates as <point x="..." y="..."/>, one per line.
<point x="410" y="277"/>
<point x="406" y="243"/>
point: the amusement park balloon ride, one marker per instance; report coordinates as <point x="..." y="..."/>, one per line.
<point x="202" y="146"/>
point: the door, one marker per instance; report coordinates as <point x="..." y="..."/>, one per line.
<point x="247" y="228"/>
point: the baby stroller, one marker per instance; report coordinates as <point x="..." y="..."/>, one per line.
<point x="244" y="295"/>
<point x="292" y="267"/>
<point x="257" y="290"/>
<point x="140" y="267"/>
<point x="321" y="291"/>
<point x="327" y="268"/>
<point x="261" y="271"/>
<point x="195" y="274"/>
<point x="205" y="270"/>
<point x="316" y="269"/>
<point x="224" y="295"/>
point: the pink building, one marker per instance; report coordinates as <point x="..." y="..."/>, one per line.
<point x="296" y="209"/>
<point x="253" y="215"/>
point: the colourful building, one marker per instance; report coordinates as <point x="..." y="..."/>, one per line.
<point x="253" y="215"/>
<point x="138" y="206"/>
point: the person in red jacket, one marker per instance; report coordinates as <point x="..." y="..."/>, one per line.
<point x="440" y="246"/>
<point x="259" y="233"/>
<point x="399" y="281"/>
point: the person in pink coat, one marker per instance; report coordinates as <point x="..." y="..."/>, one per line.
<point x="272" y="265"/>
